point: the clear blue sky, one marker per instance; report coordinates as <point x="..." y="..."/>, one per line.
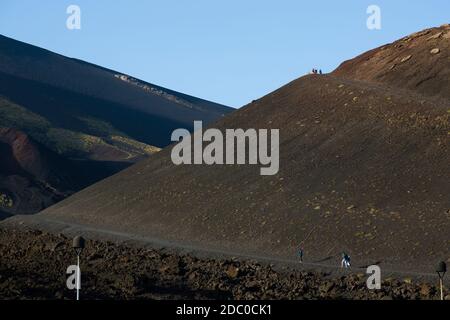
<point x="228" y="51"/>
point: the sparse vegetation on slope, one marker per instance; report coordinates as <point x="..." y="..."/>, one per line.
<point x="69" y="143"/>
<point x="13" y="115"/>
<point x="5" y="200"/>
<point x="96" y="123"/>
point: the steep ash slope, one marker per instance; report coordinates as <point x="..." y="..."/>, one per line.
<point x="363" y="168"/>
<point x="418" y="62"/>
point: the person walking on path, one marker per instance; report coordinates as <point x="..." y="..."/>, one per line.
<point x="300" y="254"/>
<point x="345" y="263"/>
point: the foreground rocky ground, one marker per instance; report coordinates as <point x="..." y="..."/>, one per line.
<point x="33" y="266"/>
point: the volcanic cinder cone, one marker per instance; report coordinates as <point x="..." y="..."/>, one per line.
<point x="364" y="168"/>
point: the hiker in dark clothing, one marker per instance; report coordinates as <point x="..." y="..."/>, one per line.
<point x="300" y="254"/>
<point x="345" y="263"/>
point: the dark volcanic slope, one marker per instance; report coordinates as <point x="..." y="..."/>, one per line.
<point x="363" y="168"/>
<point x="32" y="262"/>
<point x="96" y="119"/>
<point x="27" y="62"/>
<point x="418" y="62"/>
<point x="122" y="117"/>
<point x="31" y="176"/>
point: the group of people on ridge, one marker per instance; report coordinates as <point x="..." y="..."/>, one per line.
<point x="315" y="71"/>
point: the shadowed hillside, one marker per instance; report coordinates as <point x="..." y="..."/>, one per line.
<point x="82" y="97"/>
<point x="33" y="177"/>
<point x="96" y="119"/>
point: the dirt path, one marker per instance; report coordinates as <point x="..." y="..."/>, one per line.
<point x="318" y="265"/>
<point x="33" y="266"/>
